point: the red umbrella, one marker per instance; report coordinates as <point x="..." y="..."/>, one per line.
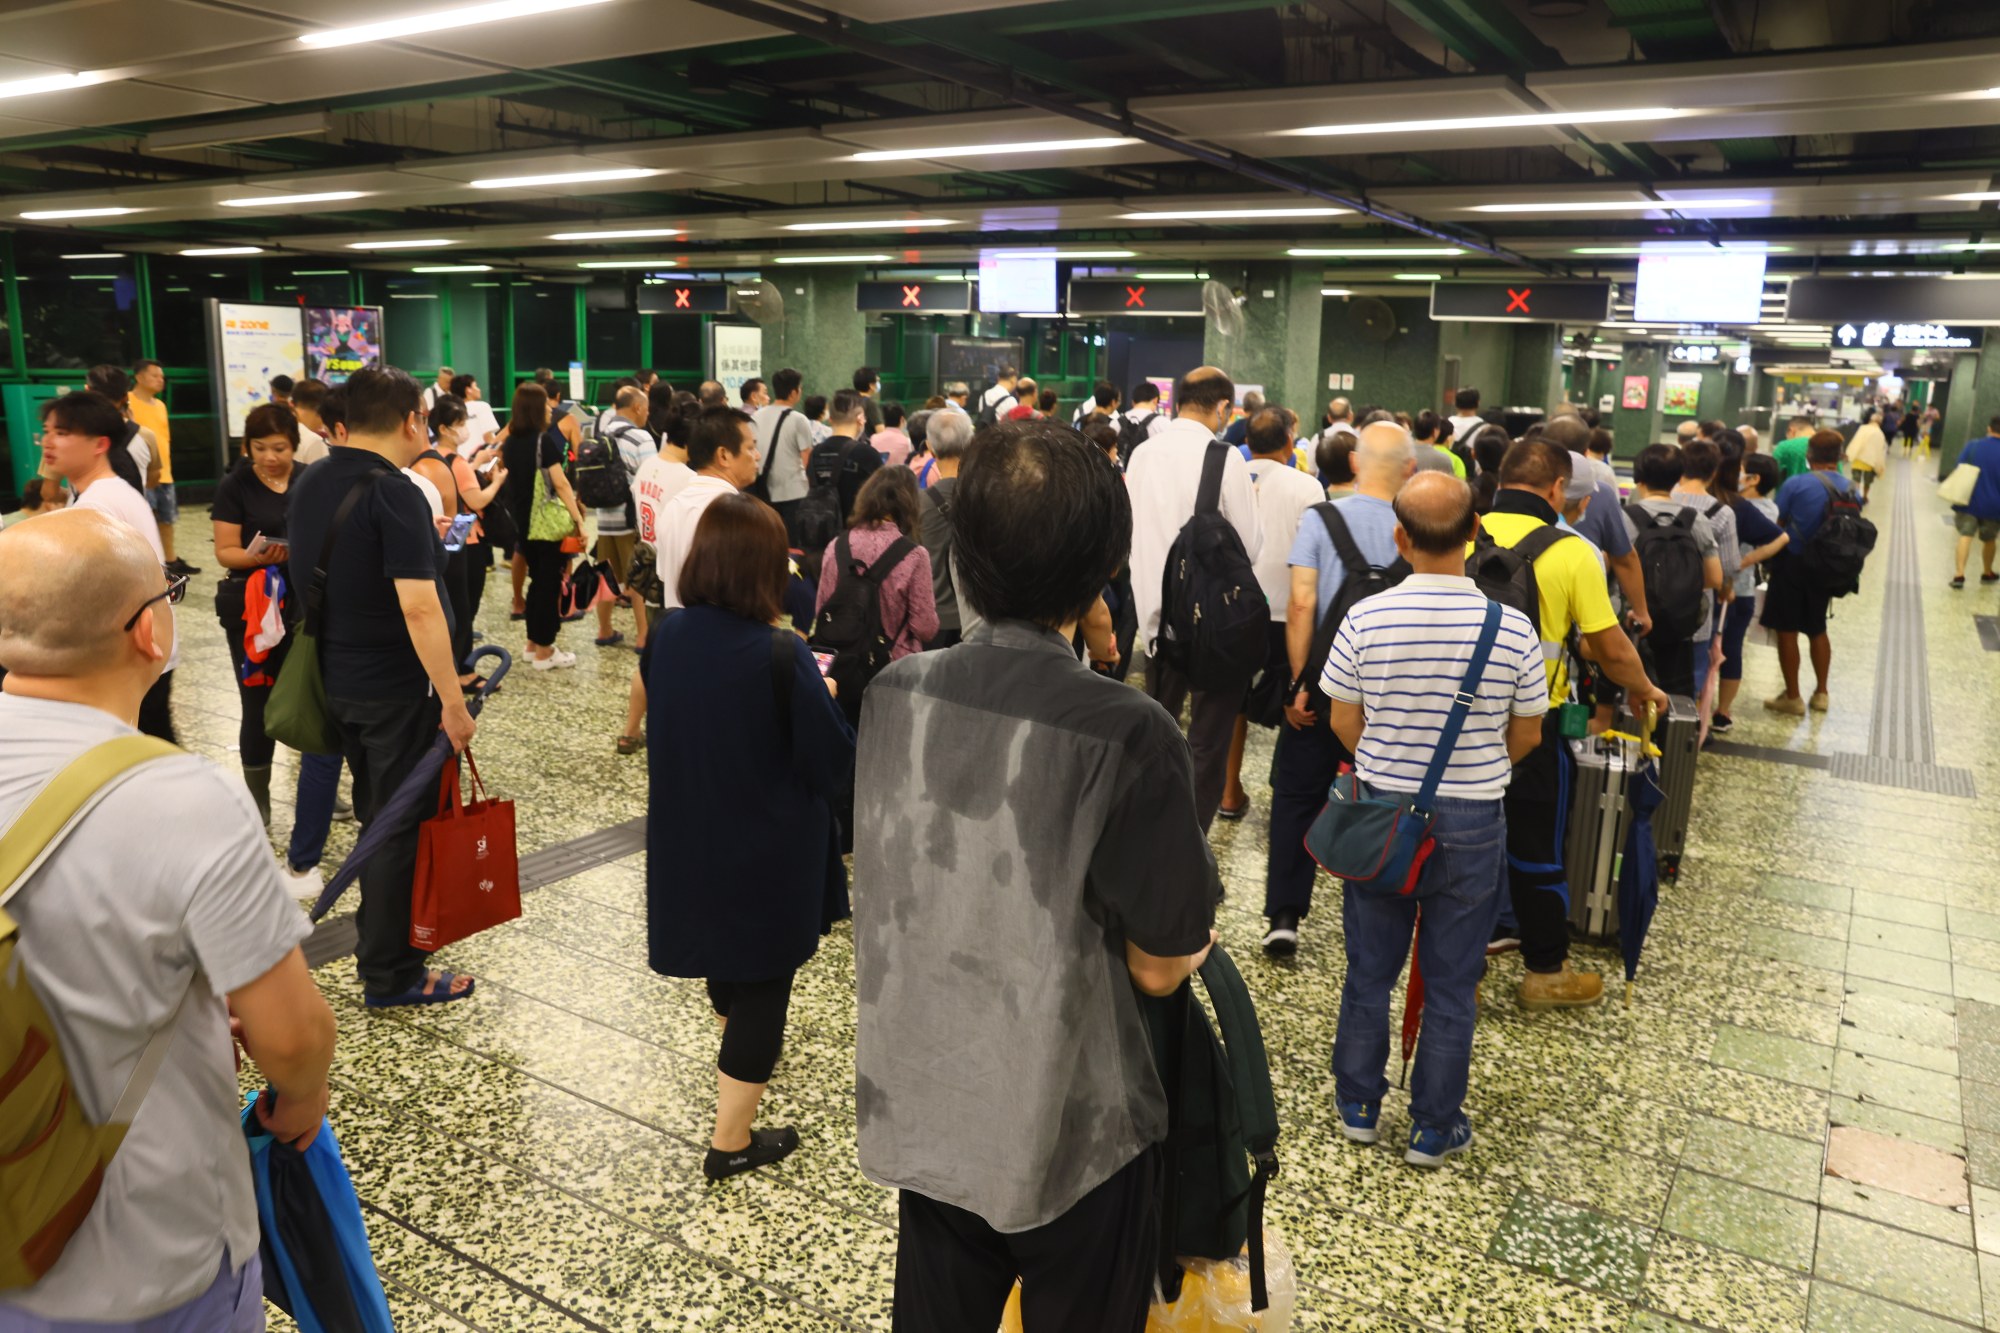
<point x="1413" y="1001"/>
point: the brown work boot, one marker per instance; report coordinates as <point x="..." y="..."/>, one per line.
<point x="1567" y="989"/>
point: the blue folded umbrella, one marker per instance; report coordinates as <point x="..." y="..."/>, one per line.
<point x="1639" y="874"/>
<point x="317" y="1265"/>
<point x="416" y="799"/>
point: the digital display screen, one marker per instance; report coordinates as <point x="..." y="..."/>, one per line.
<point x="1017" y="284"/>
<point x="341" y="340"/>
<point x="1692" y="287"/>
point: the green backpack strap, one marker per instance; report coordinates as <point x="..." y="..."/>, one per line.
<point x="1250" y="1075"/>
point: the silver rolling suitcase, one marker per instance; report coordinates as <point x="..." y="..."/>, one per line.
<point x="1599" y="817"/>
<point x="1678" y="736"/>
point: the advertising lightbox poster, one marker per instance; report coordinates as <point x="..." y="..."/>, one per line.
<point x="341" y="340"/>
<point x="735" y="354"/>
<point x="252" y="343"/>
<point x="1680" y="394"/>
<point x="1636" y="389"/>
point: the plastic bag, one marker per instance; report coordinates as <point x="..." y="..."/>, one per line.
<point x="1215" y="1297"/>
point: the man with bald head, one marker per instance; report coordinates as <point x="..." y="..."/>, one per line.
<point x="160" y="900"/>
<point x="1338" y="540"/>
<point x="1404" y="662"/>
<point x="1163" y="479"/>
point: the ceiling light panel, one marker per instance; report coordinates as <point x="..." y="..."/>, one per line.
<point x="289" y="200"/>
<point x="1488" y="122"/>
<point x="439" y="20"/>
<point x="428" y="244"/>
<point x="1620" y="206"/>
<point x="222" y="251"/>
<point x="1376" y="252"/>
<point x="991" y="149"/>
<point x="566" y="178"/>
<point x="873" y="224"/>
<point x="1233" y="214"/>
<point x="835" y="259"/>
<point x="59" y="214"/>
<point x="49" y="83"/>
<point x="628" y="234"/>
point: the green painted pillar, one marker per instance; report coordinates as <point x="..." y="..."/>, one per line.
<point x="822" y="335"/>
<point x="1279" y="348"/>
<point x="142" y="273"/>
<point x="1960" y="422"/>
<point x="1633" y="429"/>
<point x="17" y="343"/>
<point x="1534" y="368"/>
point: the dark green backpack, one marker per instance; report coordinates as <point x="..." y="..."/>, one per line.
<point x="1222" y="1129"/>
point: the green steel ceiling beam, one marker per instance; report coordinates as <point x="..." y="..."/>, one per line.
<point x="1484" y="32"/>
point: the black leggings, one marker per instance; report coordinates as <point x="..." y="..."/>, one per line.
<point x="455" y="575"/>
<point x="478" y="560"/>
<point x="756" y="1031"/>
<point x="545" y="571"/>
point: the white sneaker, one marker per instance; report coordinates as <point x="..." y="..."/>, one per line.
<point x="304" y="883"/>
<point x="555" y="661"/>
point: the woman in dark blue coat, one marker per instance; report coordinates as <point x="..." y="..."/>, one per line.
<point x="746" y="748"/>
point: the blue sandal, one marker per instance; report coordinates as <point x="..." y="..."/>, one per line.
<point x="424" y="992"/>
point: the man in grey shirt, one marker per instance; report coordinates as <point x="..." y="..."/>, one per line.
<point x="161" y="900"/>
<point x="950" y="433"/>
<point x="1656" y="473"/>
<point x="1027" y="863"/>
<point x="784" y="438"/>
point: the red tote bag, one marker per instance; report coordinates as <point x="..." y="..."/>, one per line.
<point x="468" y="877"/>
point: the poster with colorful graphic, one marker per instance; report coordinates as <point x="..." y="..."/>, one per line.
<point x="1680" y="394"/>
<point x="341" y="340"/>
<point x="252" y="343"/>
<point x="1636" y="389"/>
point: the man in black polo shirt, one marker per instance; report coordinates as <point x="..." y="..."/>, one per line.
<point x="385" y="650"/>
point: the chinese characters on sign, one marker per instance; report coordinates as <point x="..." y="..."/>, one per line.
<point x="1881" y="333"/>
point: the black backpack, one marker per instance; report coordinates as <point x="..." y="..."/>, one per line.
<point x="850" y="624"/>
<point x="989" y="411"/>
<point x="1360" y="579"/>
<point x="601" y="480"/>
<point x="1222" y="1127"/>
<point x="1671" y="562"/>
<point x="821" y="517"/>
<point x="1506" y="574"/>
<point x="1834" y="555"/>
<point x="1132" y="434"/>
<point x="1213" y="613"/>
<point x="761" y="488"/>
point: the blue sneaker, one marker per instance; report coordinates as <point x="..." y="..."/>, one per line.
<point x="1430" y="1147"/>
<point x="1357" y="1120"/>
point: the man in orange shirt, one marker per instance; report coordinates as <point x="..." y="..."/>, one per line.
<point x="148" y="379"/>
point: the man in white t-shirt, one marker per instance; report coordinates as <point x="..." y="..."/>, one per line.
<point x="308" y="396"/>
<point x="1001" y="398"/>
<point x="484" y="427"/>
<point x="161" y="902"/>
<point x="1466" y="419"/>
<point x="77" y="434"/>
<point x="433" y="392"/>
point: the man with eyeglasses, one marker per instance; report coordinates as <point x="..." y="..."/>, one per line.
<point x="156" y="919"/>
<point x="78" y="431"/>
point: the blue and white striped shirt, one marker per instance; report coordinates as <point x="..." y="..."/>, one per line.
<point x="1402" y="654"/>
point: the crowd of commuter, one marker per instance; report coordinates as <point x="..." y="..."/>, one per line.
<point x="896" y="632"/>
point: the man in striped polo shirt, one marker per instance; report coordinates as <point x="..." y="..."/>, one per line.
<point x="1395" y="669"/>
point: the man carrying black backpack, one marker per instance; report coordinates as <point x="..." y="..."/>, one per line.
<point x="834" y="473"/>
<point x="1166" y="480"/>
<point x="1829" y="539"/>
<point x="1345" y="550"/>
<point x="1681" y="560"/>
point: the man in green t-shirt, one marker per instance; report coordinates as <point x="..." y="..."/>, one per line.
<point x="1790" y="452"/>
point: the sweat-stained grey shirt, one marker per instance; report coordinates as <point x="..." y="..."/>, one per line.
<point x="1018" y="818"/>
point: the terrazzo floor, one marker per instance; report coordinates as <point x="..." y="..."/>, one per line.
<point x="1826" y="971"/>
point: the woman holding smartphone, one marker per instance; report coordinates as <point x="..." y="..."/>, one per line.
<point x="253" y="602"/>
<point x="467" y="556"/>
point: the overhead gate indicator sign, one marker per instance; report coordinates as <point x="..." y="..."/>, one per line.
<point x="683" y="298"/>
<point x="1131" y="296"/>
<point x="914" y="297"/>
<point x="1530" y="300"/>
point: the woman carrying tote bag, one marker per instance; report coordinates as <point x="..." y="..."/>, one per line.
<point x="545" y="512"/>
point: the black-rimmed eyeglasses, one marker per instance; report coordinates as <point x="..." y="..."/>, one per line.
<point x="177" y="586"/>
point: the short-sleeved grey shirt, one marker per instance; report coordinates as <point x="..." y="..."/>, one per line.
<point x="1018" y="819"/>
<point x="165" y="883"/>
<point x="781" y="453"/>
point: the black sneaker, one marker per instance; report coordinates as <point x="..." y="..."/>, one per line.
<point x="766" y="1146"/>
<point x="180" y="566"/>
<point x="1282" y="939"/>
<point x="1720" y="724"/>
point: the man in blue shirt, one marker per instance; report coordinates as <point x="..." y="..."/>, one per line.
<point x="1980" y="516"/>
<point x="1309" y="755"/>
<point x="1794" y="603"/>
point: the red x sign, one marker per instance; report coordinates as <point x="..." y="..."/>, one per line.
<point x="683" y="298"/>
<point x="910" y="295"/>
<point x="1135" y="296"/>
<point x="1518" y="300"/>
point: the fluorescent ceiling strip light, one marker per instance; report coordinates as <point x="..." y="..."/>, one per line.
<point x="1062" y="254"/>
<point x="452" y="268"/>
<point x="438" y="20"/>
<point x="1218" y="214"/>
<point x="1610" y="206"/>
<point x="56" y="214"/>
<point x="1335" y="291"/>
<point x="1377" y="252"/>
<point x="286" y="200"/>
<point x="633" y="234"/>
<point x="222" y="251"/>
<point x="1420" y="277"/>
<point x="1975" y="196"/>
<point x="630" y="263"/>
<point x="1493" y="122"/>
<point x="879" y="224"/>
<point x="991" y="149"/>
<point x="1967" y="245"/>
<point x="431" y="243"/>
<point x="49" y="83"/>
<point x="566" y="178"/>
<point x="93" y="277"/>
<point x="320" y="272"/>
<point x="93" y="256"/>
<point x="835" y="259"/>
<point x="1168" y="277"/>
<point x="1677" y="247"/>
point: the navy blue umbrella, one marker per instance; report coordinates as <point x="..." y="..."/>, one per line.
<point x="1639" y="871"/>
<point x="406" y="805"/>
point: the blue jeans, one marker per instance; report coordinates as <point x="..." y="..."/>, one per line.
<point x="1735" y="628"/>
<point x="1459" y="891"/>
<point x="312" y="817"/>
<point x="1703" y="648"/>
<point x="233" y="1303"/>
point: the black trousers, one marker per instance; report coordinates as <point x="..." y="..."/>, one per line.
<point x="1211" y="724"/>
<point x="156" y="714"/>
<point x="478" y="560"/>
<point x="456" y="572"/>
<point x="1673" y="664"/>
<point x="788" y="510"/>
<point x="1302" y="768"/>
<point x="756" y="1033"/>
<point x="382" y="739"/>
<point x="1537" y="806"/>
<point x="1089" y="1271"/>
<point x="545" y="571"/>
